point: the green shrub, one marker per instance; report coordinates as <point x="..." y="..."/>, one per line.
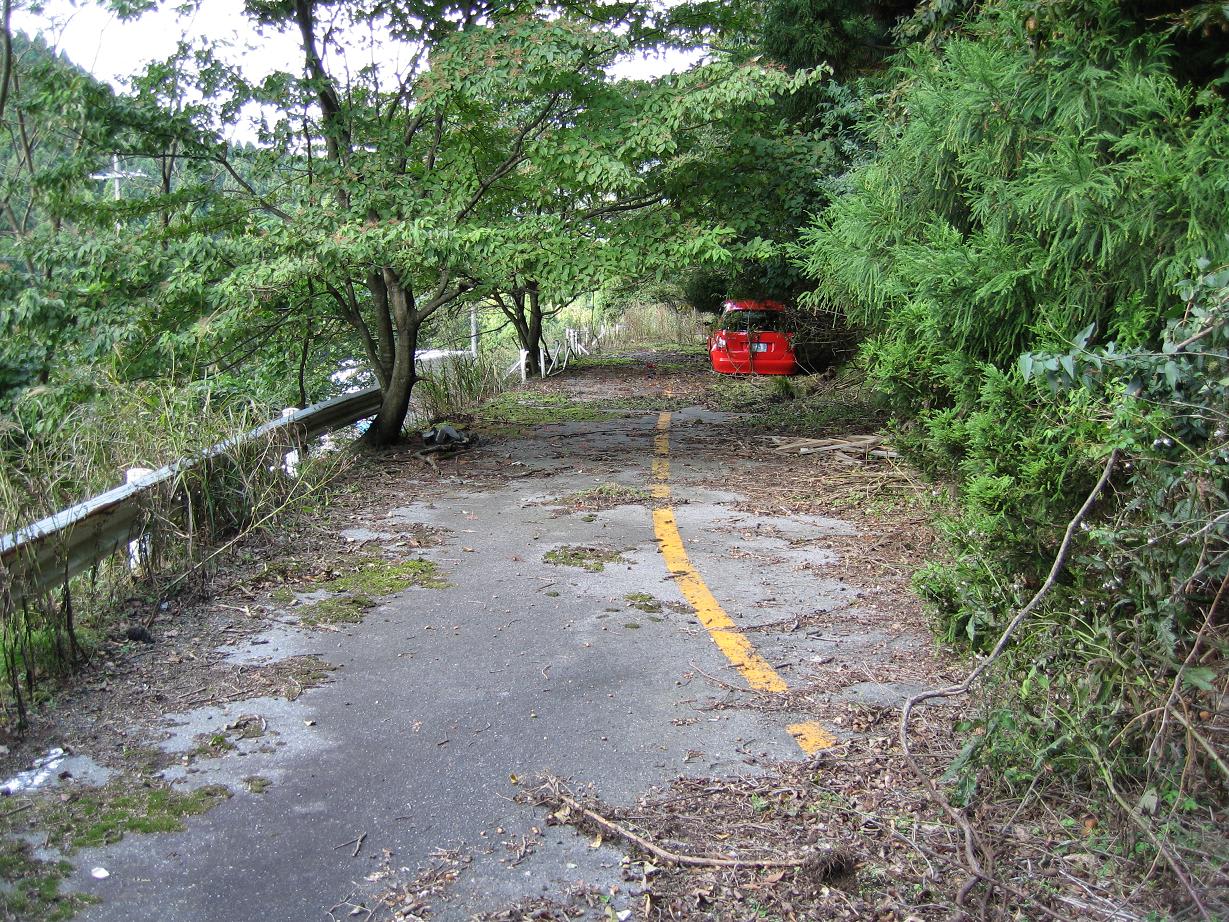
<point x="1045" y="183"/>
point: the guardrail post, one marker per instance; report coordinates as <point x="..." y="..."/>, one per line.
<point x="524" y="359"/>
<point x="473" y="330"/>
<point x="290" y="460"/>
<point x="138" y="547"/>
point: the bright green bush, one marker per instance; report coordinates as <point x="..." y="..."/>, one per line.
<point x="1032" y="252"/>
<point x="1027" y="184"/>
<point x="1037" y="173"/>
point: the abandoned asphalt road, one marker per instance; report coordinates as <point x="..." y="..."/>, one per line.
<point x="443" y="698"/>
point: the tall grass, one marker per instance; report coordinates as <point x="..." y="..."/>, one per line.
<point x="185" y="527"/>
<point x="645" y="325"/>
<point x="458" y="383"/>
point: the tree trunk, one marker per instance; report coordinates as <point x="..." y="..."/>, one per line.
<point x="386" y="429"/>
<point x="523" y="308"/>
<point x="513" y="308"/>
<point x="534" y="341"/>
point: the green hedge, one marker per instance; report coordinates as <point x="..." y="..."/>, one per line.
<point x="1036" y="238"/>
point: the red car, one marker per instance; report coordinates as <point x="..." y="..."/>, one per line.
<point x="753" y="338"/>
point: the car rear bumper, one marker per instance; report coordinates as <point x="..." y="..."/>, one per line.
<point x="739" y="363"/>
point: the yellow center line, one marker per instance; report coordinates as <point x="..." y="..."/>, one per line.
<point x="758" y="672"/>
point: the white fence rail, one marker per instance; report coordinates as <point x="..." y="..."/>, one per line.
<point x="45" y="554"/>
<point x="551" y="361"/>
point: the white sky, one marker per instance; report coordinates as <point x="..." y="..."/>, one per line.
<point x="111" y="50"/>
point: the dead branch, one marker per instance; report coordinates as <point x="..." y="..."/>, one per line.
<point x="1203" y="742"/>
<point x="425" y="457"/>
<point x="825" y="863"/>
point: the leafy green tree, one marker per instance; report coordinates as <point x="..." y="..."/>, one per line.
<point x="1038" y="173"/>
<point x="97" y="278"/>
<point x="47" y="113"/>
<point x="386" y="196"/>
<point x="782" y="163"/>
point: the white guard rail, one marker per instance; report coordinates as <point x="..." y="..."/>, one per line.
<point x="45" y="554"/>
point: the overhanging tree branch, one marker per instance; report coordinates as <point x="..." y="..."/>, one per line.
<point x="514" y="157"/>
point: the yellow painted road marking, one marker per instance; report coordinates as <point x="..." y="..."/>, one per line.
<point x="729" y="639"/>
<point x="811" y="736"/>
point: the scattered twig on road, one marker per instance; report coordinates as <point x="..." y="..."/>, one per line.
<point x="521" y="851"/>
<point x="427" y="459"/>
<point x="824" y="863"/>
<point x="872" y="445"/>
<point x="357" y="842"/>
<point x="722" y="683"/>
<point x="16" y="810"/>
<point x="355" y="909"/>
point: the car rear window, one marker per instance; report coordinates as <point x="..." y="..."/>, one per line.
<point x="764" y="321"/>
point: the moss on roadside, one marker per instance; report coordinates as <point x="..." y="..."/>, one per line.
<point x="85" y="818"/>
<point x="355" y="591"/>
<point x="211" y="746"/>
<point x="257" y="784"/>
<point x="30" y="887"/>
<point x="217" y="743"/>
<point x="516" y="410"/>
<point x="377" y="576"/>
<point x="650" y="403"/>
<point x="643" y="602"/>
<point x="592" y="559"/>
<point x="102" y="816"/>
<point x="606" y="496"/>
<point x="301" y="673"/>
<point x="342" y="609"/>
<point x="146" y="760"/>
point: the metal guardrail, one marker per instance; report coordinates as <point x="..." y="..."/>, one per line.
<point x="49" y="552"/>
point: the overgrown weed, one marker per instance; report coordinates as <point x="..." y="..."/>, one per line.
<point x="185" y="528"/>
<point x="453" y="386"/>
<point x="806" y="405"/>
<point x="645" y="325"/>
<point x="516" y="410"/>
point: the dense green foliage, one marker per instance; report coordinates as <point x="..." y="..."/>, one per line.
<point x="1034" y="251"/>
<point x="1021" y="204"/>
<point x="781" y="162"/>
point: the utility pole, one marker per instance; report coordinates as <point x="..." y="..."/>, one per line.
<point x="115" y="176"/>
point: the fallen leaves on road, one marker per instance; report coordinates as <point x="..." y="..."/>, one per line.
<point x="835" y="837"/>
